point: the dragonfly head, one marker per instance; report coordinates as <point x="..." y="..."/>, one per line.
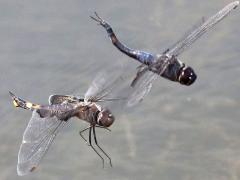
<point x="187" y="76"/>
<point x="105" y="118"/>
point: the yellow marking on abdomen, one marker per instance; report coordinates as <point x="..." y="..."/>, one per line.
<point x="29" y="105"/>
<point x="15" y="103"/>
<point x="36" y="106"/>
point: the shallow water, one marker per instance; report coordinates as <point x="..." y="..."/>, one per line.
<point x="177" y="132"/>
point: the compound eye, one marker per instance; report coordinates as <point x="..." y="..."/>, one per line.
<point x="187" y="76"/>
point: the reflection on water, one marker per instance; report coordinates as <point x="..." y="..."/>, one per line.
<point x="177" y="132"/>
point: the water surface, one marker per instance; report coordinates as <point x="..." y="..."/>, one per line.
<point x="177" y="132"/>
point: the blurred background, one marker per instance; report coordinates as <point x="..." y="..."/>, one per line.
<point x="177" y="132"/>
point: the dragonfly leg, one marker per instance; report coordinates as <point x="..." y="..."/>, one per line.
<point x="81" y="134"/>
<point x="90" y="142"/>
<point x="166" y="51"/>
<point x="82" y="131"/>
<point x="95" y="139"/>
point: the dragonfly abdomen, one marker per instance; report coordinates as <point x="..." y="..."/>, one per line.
<point x="61" y="111"/>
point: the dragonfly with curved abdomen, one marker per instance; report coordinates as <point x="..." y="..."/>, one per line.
<point x="166" y="64"/>
<point x="47" y="120"/>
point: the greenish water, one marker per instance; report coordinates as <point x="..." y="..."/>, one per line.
<point x="177" y="132"/>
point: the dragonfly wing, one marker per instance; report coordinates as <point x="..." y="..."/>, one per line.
<point x="37" y="138"/>
<point x="102" y="86"/>
<point x="59" y="99"/>
<point x="141" y="70"/>
<point x="189" y="39"/>
<point x="141" y="87"/>
<point x="194" y="27"/>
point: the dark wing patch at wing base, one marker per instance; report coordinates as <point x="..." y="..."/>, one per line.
<point x="59" y="99"/>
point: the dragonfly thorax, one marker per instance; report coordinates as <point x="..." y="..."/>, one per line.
<point x="94" y="113"/>
<point x="176" y="70"/>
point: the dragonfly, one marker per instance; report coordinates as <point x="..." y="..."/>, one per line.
<point x="48" y="120"/>
<point x="166" y="64"/>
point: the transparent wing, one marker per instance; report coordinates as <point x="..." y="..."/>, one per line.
<point x="37" y="138"/>
<point x="194" y="27"/>
<point x="141" y="88"/>
<point x="102" y="86"/>
<point x="189" y="39"/>
<point x="142" y="83"/>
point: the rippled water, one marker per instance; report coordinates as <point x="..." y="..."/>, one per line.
<point x="177" y="132"/>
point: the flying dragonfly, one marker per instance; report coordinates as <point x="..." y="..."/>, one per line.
<point x="48" y="120"/>
<point x="166" y="64"/>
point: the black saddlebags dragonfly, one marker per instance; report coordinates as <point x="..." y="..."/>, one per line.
<point x="48" y="120"/>
<point x="166" y="64"/>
